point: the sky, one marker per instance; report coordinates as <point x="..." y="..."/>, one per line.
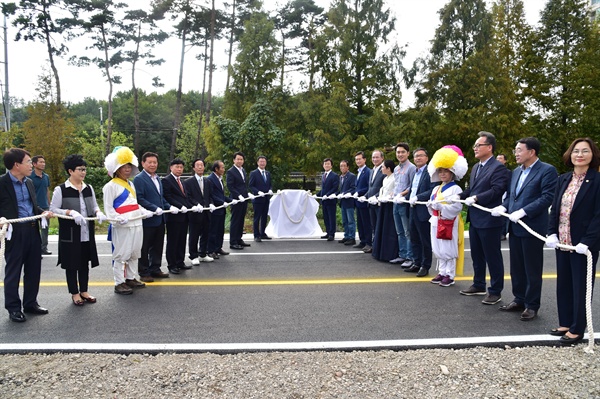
<point x="416" y="21"/>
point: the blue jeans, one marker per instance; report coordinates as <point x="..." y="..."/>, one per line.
<point x="403" y="230"/>
<point x="348" y="223"/>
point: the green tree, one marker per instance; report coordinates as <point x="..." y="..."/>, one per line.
<point x="256" y="66"/>
<point x="35" y="22"/>
<point x="99" y="21"/>
<point x="562" y="76"/>
<point x="355" y="51"/>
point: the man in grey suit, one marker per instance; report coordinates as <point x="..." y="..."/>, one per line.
<point x="529" y="196"/>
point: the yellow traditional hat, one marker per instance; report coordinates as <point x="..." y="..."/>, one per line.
<point x="448" y="157"/>
<point x="120" y="156"/>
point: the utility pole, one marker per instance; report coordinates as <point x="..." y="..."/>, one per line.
<point x="101" y="130"/>
<point x="6" y="92"/>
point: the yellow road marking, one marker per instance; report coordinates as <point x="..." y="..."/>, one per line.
<point x="324" y="281"/>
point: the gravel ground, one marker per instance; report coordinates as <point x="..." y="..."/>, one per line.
<point x="529" y="372"/>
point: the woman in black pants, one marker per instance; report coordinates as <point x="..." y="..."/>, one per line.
<point x="76" y="244"/>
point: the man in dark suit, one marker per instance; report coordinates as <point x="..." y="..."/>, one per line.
<point x="347" y="186"/>
<point x="363" y="219"/>
<point x="236" y="183"/>
<point x="529" y="196"/>
<point x="375" y="183"/>
<point x="420" y="228"/>
<point x="260" y="180"/>
<point x="217" y="219"/>
<point x="329" y="185"/>
<point x="197" y="190"/>
<point x="23" y="251"/>
<point x="177" y="224"/>
<point x="149" y="191"/>
<point x="488" y="182"/>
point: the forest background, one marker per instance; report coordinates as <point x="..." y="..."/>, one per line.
<point x="487" y="69"/>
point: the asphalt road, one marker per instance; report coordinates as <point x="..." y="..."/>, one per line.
<point x="278" y="294"/>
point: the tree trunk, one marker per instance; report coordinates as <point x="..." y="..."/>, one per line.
<point x="230" y="45"/>
<point x="210" y="65"/>
<point x="197" y="149"/>
<point x="51" y="56"/>
<point x="110" y="85"/>
<point x="136" y="112"/>
<point x="178" y="102"/>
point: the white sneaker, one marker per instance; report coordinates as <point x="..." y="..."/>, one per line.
<point x="196" y="261"/>
<point x="206" y="259"/>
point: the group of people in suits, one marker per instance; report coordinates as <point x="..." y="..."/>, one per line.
<point x="185" y="200"/>
<point x="527" y="194"/>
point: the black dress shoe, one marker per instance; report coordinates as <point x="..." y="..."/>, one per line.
<point x="528" y="315"/>
<point x="236" y="246"/>
<point x="160" y="275"/>
<point x="175" y="270"/>
<point x="359" y="245"/>
<point x="214" y="255"/>
<point x="265" y="237"/>
<point x="412" y="269"/>
<point x="569" y="341"/>
<point x="17" y="316"/>
<point x="37" y="309"/>
<point x="368" y="249"/>
<point x="46" y="252"/>
<point x="257" y="239"/>
<point x="330" y="238"/>
<point x="512" y="307"/>
<point x="221" y="252"/>
<point x="185" y="267"/>
<point x="342" y="241"/>
<point x="325" y="236"/>
<point x="351" y="241"/>
<point x="243" y="244"/>
<point x="422" y="272"/>
<point x="557" y="333"/>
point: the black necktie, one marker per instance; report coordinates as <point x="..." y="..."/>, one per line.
<point x="479" y="170"/>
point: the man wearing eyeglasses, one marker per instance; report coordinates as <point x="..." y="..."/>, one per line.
<point x="529" y="196"/>
<point x="488" y="182"/>
<point x="23" y="248"/>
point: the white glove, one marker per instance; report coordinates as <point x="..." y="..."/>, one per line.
<point x="497" y="210"/>
<point x="183" y="209"/>
<point x="436" y="205"/>
<point x="158" y="211"/>
<point x="45" y="216"/>
<point x="261" y="194"/>
<point x="77" y="218"/>
<point x="412" y="201"/>
<point x="373" y="200"/>
<point x="9" y="232"/>
<point x="233" y="202"/>
<point x="101" y="217"/>
<point x="174" y="211"/>
<point x="362" y="199"/>
<point x="122" y="219"/>
<point x="270" y="192"/>
<point x="251" y="196"/>
<point x="399" y="199"/>
<point x="383" y="199"/>
<point x="212" y="207"/>
<point x="517" y="215"/>
<point x="453" y="199"/>
<point x="147" y="214"/>
<point x="581" y="248"/>
<point x="470" y="200"/>
<point x="241" y="197"/>
<point x="551" y="241"/>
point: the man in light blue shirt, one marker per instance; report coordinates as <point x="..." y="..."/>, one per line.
<point x="403" y="177"/>
<point x="41" y="182"/>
